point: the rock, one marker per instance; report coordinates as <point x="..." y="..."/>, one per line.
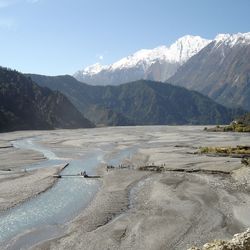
<point x="240" y="241"/>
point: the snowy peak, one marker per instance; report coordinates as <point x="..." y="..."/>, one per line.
<point x="233" y="39"/>
<point x="187" y="46"/>
<point x="134" y="59"/>
<point x="94" y="69"/>
<point x="179" y="52"/>
<point x="157" y="64"/>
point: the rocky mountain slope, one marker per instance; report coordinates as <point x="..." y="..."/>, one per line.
<point x="157" y="64"/>
<point x="221" y="70"/>
<point x="24" y="105"/>
<point x="141" y="102"/>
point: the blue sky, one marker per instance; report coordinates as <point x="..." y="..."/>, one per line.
<point x="61" y="36"/>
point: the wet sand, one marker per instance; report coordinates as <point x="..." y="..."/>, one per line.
<point x="16" y="185"/>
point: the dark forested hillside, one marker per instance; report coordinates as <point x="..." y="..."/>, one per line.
<point x="25" y="105"/>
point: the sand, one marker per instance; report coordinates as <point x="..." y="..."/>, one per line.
<point x="19" y="187"/>
<point x="166" y="211"/>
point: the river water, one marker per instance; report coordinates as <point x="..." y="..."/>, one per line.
<point x="49" y="211"/>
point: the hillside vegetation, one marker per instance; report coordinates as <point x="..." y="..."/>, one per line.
<point x="25" y="105"/>
<point x="241" y="124"/>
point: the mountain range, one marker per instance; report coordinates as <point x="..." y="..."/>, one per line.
<point x="221" y="70"/>
<point x="189" y="82"/>
<point x="218" y="68"/>
<point x="25" y="105"/>
<point x="141" y="102"/>
<point x="157" y="64"/>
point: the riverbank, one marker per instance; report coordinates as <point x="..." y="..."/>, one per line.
<point x="17" y="187"/>
<point x="16" y="184"/>
<point x="13" y="159"/>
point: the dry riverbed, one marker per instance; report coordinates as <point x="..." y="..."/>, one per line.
<point x="164" y="211"/>
<point x="149" y="210"/>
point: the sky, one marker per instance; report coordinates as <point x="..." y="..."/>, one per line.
<point x="55" y="37"/>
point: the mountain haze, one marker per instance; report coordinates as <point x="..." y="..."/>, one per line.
<point x="141" y="102"/>
<point x="84" y="98"/>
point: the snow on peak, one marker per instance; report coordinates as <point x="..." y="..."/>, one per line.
<point x="187" y="46"/>
<point x="233" y="39"/>
<point x="142" y="57"/>
<point x="179" y="52"/>
<point x="94" y="69"/>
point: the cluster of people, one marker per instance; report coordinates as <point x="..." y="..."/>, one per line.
<point x="109" y="167"/>
<point x="84" y="174"/>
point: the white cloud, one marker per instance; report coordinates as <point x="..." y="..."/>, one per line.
<point x="100" y="57"/>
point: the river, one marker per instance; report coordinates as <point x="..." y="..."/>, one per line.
<point x="45" y="216"/>
<point x="48" y="212"/>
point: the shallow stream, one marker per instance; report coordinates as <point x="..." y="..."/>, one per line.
<point x="44" y="216"/>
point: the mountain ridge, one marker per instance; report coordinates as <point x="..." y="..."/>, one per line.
<point x="142" y="102"/>
<point x="82" y="96"/>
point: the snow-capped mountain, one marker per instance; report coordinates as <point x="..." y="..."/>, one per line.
<point x="154" y="64"/>
<point x="232" y="39"/>
<point x="220" y="70"/>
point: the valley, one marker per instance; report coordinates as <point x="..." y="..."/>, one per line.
<point x="124" y="125"/>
